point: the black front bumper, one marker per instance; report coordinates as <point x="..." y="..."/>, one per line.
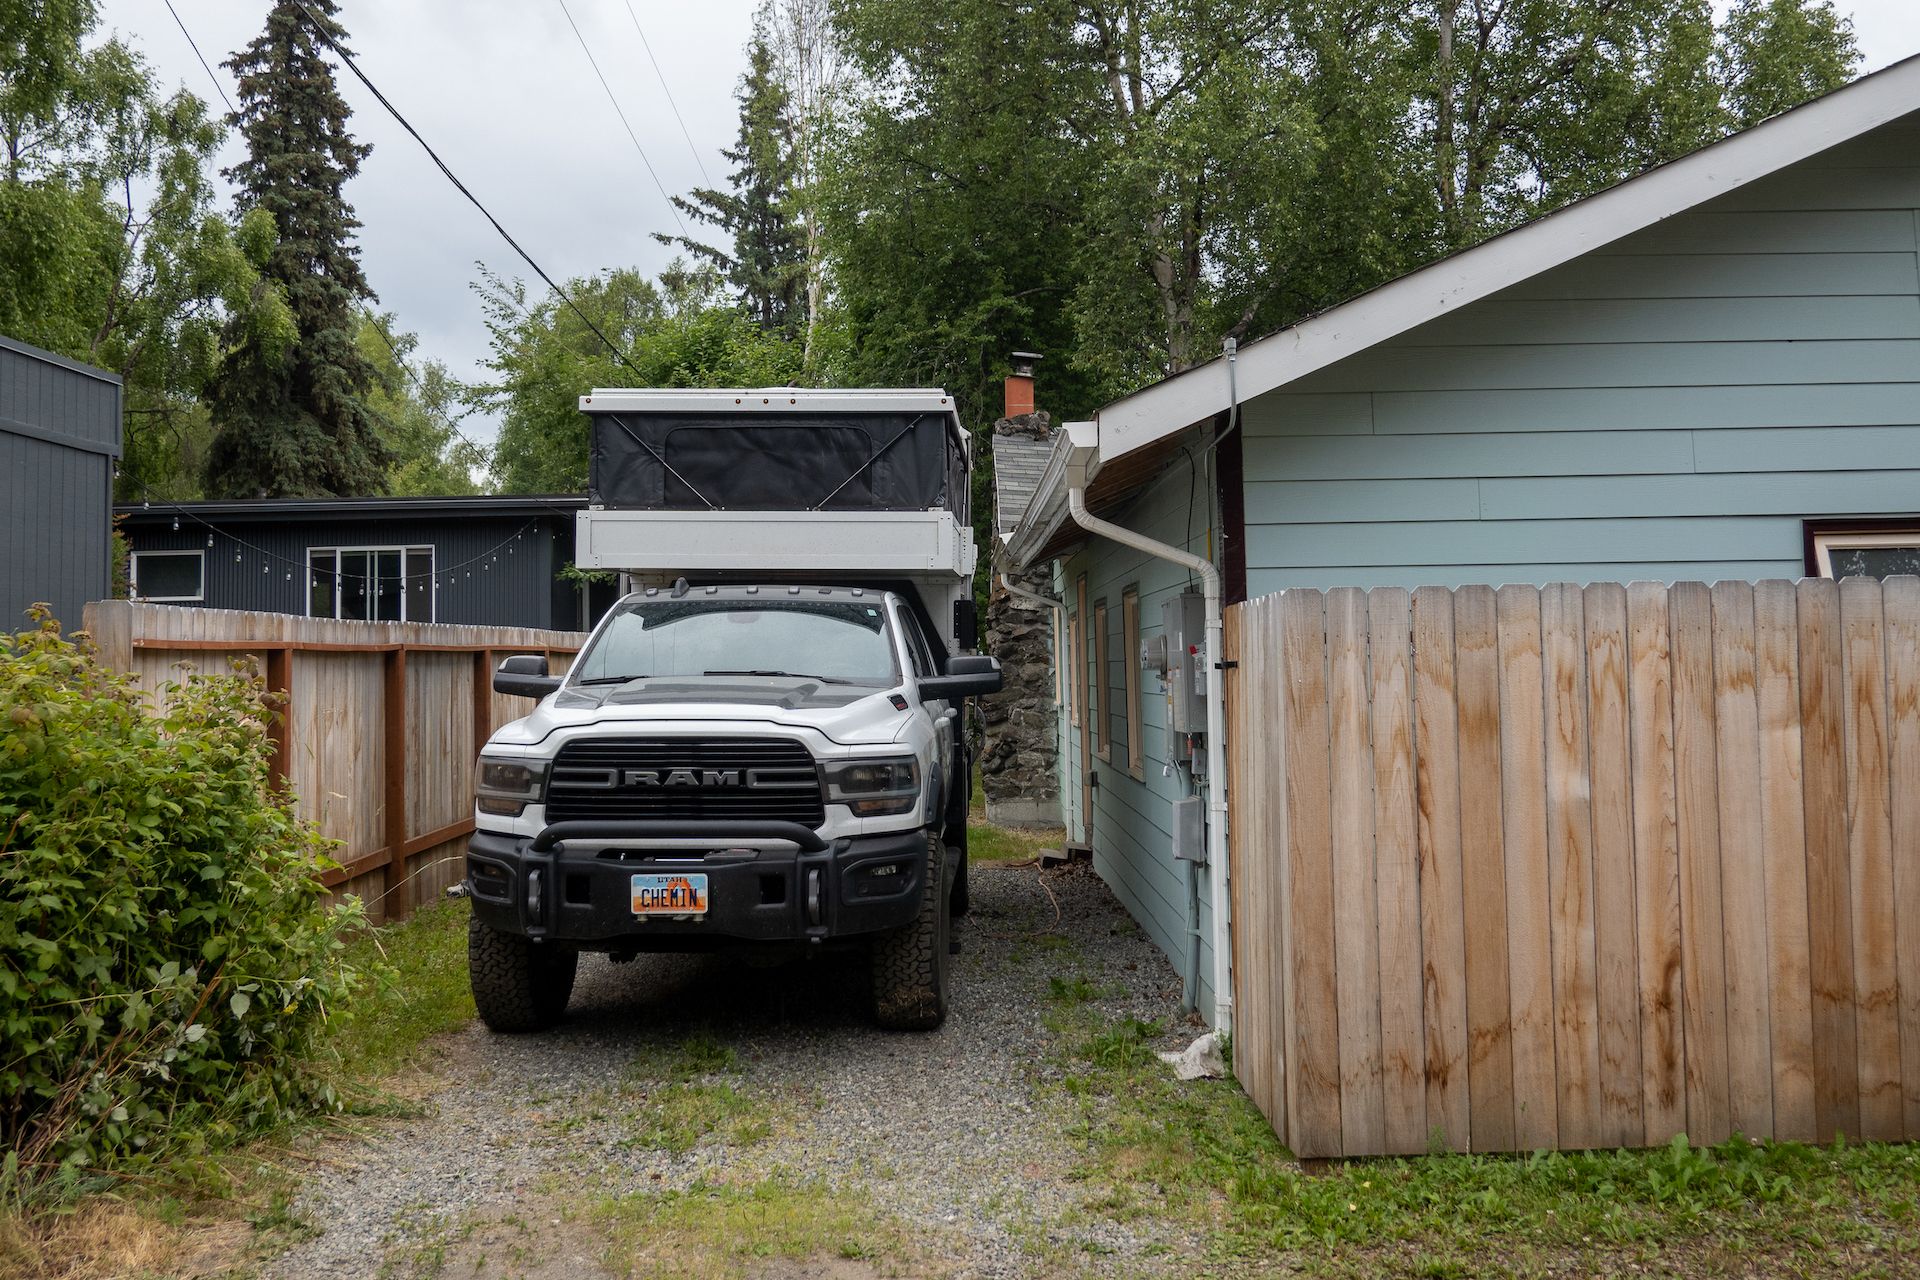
<point x="576" y="890"/>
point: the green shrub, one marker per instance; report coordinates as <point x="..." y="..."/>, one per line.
<point x="166" y="951"/>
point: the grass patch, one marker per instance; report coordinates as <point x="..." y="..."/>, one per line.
<point x="420" y="992"/>
<point x="723" y="1232"/>
<point x="681" y="1095"/>
<point x="987" y="843"/>
<point x="1201" y="1154"/>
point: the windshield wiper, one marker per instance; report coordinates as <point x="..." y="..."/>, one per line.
<point x="790" y="675"/>
<point x="609" y="680"/>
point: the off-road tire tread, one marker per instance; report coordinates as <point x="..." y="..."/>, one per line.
<point x="518" y="985"/>
<point x="910" y="965"/>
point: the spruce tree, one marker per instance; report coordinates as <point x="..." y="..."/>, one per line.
<point x="768" y="262"/>
<point x="299" y="424"/>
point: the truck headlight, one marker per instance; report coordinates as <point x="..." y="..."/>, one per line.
<point x="872" y="788"/>
<point x="506" y="787"/>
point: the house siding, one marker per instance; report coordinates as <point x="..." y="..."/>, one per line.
<point x="59" y="436"/>
<point x="1131" y="818"/>
<point x="490" y="571"/>
<point x="1670" y="407"/>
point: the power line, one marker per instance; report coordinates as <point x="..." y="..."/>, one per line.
<point x="217" y="86"/>
<point x="671" y="207"/>
<point x="461" y="187"/>
<point x="644" y="44"/>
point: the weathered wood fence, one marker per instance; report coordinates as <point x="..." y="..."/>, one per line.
<point x="382" y="726"/>
<point x="1571" y="867"/>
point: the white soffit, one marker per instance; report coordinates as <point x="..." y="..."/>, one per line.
<point x="1547" y="242"/>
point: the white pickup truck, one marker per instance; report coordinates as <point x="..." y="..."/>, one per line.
<point x="761" y="745"/>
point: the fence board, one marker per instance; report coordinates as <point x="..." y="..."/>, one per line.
<point x="1529" y="898"/>
<point x="1901" y="602"/>
<point x="1743" y="894"/>
<point x="1271" y="707"/>
<point x="1829" y="894"/>
<point x="1570" y="865"/>
<point x="1616" y="978"/>
<point x="1702" y="933"/>
<point x="1312" y="1051"/>
<point x="1442" y="906"/>
<point x="1397" y="874"/>
<point x="1783" y="836"/>
<point x="1870" y="861"/>
<point x="1484" y="873"/>
<point x="1656" y="863"/>
<point x="1356" y="930"/>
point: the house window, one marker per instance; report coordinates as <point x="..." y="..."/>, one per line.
<point x="1102" y="728"/>
<point x="370" y="584"/>
<point x="1852" y="551"/>
<point x="1071" y="645"/>
<point x="169" y="576"/>
<point x="1130" y="664"/>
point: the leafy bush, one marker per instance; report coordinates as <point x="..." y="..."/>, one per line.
<point x="166" y="950"/>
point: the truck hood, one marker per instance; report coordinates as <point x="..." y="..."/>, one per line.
<point x="849" y="714"/>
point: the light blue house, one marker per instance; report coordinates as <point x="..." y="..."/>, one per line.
<point x="1711" y="371"/>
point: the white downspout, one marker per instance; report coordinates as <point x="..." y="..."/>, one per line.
<point x="1216" y="725"/>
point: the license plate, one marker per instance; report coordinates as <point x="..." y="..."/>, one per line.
<point x="670" y="895"/>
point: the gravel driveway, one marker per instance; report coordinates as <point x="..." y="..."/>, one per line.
<point x="953" y="1135"/>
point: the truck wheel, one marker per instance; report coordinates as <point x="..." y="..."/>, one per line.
<point x="517" y="985"/>
<point x="910" y="964"/>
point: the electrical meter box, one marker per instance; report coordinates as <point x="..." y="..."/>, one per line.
<point x="1183" y="620"/>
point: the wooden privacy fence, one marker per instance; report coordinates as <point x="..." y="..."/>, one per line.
<point x="380" y="732"/>
<point x="1565" y="867"/>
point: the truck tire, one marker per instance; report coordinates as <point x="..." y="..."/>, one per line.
<point x="910" y="964"/>
<point x="518" y="985"/>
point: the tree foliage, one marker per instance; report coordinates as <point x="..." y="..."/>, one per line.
<point x="766" y="264"/>
<point x="679" y="333"/>
<point x="112" y="253"/>
<point x="420" y="406"/>
<point x="299" y="422"/>
<point x="1128" y="181"/>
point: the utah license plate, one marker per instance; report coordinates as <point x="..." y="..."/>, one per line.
<point x="670" y="895"/>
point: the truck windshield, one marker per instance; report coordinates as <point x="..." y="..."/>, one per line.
<point x="837" y="640"/>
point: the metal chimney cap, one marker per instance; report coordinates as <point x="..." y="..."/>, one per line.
<point x="1023" y="362"/>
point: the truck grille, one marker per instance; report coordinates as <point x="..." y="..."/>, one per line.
<point x="618" y="778"/>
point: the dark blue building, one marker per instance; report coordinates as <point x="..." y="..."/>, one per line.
<point x="494" y="561"/>
<point x="59" y="439"/>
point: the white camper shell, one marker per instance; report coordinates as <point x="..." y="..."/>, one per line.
<point x="784" y="485"/>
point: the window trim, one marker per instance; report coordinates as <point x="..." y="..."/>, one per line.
<point x="133" y="576"/>
<point x="405" y="550"/>
<point x="1130" y="659"/>
<point x="1824" y="536"/>
<point x="1103" y="677"/>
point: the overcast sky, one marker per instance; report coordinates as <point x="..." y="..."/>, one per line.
<point x="503" y="92"/>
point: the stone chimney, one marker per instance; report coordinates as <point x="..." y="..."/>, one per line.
<point x="1018" y="765"/>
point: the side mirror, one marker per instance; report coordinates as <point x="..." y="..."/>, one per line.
<point x="525" y="675"/>
<point x="968" y="676"/>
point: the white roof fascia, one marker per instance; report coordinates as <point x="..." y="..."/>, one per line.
<point x="775" y="401"/>
<point x="1075" y="460"/>
<point x="1047" y="508"/>
<point x="1547" y="242"/>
